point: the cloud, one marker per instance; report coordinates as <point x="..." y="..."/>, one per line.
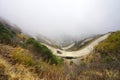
<point x="54" y="18"/>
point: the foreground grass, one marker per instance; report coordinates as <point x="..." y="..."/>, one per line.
<point x="15" y="72"/>
<point x="19" y="56"/>
<point x="104" y="62"/>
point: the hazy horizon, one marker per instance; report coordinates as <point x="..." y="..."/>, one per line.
<point x="55" y="18"/>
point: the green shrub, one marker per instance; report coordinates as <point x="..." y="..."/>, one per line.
<point x="6" y="35"/>
<point x="43" y="51"/>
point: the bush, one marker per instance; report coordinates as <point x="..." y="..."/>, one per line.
<point x="22" y="56"/>
<point x="43" y="51"/>
<point x="6" y="35"/>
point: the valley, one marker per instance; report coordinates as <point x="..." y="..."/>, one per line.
<point x="23" y="57"/>
<point x="77" y="54"/>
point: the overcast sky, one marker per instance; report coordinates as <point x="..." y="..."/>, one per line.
<point x="63" y="17"/>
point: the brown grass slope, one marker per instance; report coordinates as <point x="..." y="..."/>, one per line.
<point x="19" y="64"/>
<point x="9" y="70"/>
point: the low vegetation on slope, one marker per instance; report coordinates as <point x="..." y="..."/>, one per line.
<point x="24" y="58"/>
<point x="43" y="51"/>
<point x="104" y="62"/>
<point x="110" y="47"/>
<point x="17" y="63"/>
<point x="5" y="34"/>
<point x="11" y="37"/>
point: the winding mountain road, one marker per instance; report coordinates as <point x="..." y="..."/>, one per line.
<point x="82" y="52"/>
<point x="68" y="47"/>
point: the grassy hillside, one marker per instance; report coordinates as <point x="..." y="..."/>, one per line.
<point x="11" y="37"/>
<point x="6" y="35"/>
<point x="24" y="58"/>
<point x="43" y="51"/>
<point x="111" y="46"/>
<point x="104" y="62"/>
<point x="18" y="63"/>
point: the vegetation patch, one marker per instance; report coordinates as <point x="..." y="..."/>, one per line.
<point x="42" y="50"/>
<point x="6" y="35"/>
<point x="22" y="56"/>
<point x="110" y="48"/>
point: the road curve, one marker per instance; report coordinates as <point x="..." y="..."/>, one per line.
<point x="79" y="53"/>
<point x="68" y="47"/>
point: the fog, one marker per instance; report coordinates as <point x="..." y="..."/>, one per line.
<point x="56" y="18"/>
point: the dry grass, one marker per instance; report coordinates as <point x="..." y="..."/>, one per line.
<point x="22" y="56"/>
<point x="15" y="72"/>
<point x="95" y="69"/>
<point x="14" y="66"/>
<point x="20" y="59"/>
<point x="18" y="71"/>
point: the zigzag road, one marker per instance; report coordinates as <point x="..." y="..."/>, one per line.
<point x="82" y="52"/>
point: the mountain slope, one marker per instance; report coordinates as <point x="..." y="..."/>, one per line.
<point x="104" y="62"/>
<point x="10" y="37"/>
<point x="8" y="71"/>
<point x="25" y="58"/>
